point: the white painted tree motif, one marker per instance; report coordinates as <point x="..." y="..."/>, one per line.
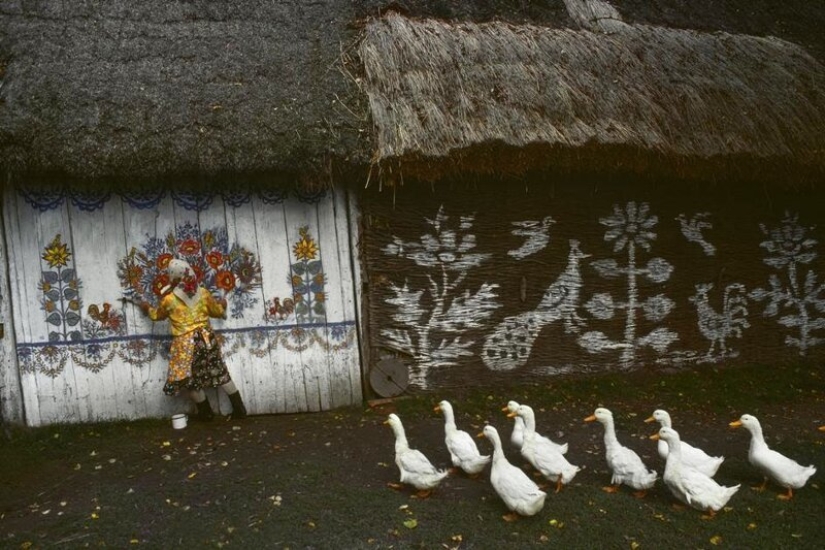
<point x="718" y="327"/>
<point x="435" y="334"/>
<point x="537" y="235"/>
<point x="788" y="249"/>
<point x="630" y="228"/>
<point x="510" y="344"/>
<point x="692" y="230"/>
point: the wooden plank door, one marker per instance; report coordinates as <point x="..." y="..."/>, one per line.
<point x="84" y="355"/>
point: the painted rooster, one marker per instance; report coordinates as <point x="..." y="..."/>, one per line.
<point x="719" y="327"/>
<point x="282" y="310"/>
<point x="103" y="314"/>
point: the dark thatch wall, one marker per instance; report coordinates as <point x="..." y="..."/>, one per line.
<point x="418" y="241"/>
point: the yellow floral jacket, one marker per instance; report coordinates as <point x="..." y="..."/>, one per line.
<point x="183" y="320"/>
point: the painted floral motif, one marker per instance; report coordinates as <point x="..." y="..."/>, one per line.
<point x="435" y="318"/>
<point x="789" y="248"/>
<point x="60" y="287"/>
<point x="230" y="270"/>
<point x="308" y="280"/>
<point x="630" y="228"/>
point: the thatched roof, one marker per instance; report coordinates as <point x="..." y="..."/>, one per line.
<point x="442" y="95"/>
<point x="158" y="89"/>
<point x="170" y="90"/>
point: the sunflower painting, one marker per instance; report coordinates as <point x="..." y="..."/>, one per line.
<point x="308" y="282"/>
<point x="61" y="292"/>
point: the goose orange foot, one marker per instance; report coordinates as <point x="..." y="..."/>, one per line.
<point x="611" y="489"/>
<point x="786" y="496"/>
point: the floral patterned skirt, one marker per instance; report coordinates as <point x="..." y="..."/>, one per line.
<point x="195" y="363"/>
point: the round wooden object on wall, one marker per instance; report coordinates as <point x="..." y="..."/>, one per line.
<point x="389" y="377"/>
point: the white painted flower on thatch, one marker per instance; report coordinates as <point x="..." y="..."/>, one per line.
<point x="601" y="306"/>
<point x="658" y="270"/>
<point x="656" y="308"/>
<point x="788" y="244"/>
<point x="446" y="248"/>
<point x="631" y="225"/>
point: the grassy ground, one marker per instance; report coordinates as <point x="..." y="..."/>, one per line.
<point x="320" y="480"/>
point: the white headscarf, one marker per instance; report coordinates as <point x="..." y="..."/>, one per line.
<point x="178" y="270"/>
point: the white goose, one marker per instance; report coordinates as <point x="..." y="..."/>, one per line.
<point x="785" y="471"/>
<point x="415" y="468"/>
<point x="691" y="486"/>
<point x="463" y="450"/>
<point x="520" y="494"/>
<point x="517" y="437"/>
<point x="626" y="466"/>
<point x="542" y="454"/>
<point x="692" y="457"/>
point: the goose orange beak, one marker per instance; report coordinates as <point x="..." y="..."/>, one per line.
<point x="655" y="437"/>
<point x="590" y="418"/>
<point x="505" y="409"/>
<point x="511" y="415"/>
<point x="651" y="419"/>
<point x="822" y="428"/>
<point x="437" y="408"/>
<point x="735" y="424"/>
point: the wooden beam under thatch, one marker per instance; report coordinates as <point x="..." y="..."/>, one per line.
<point x="437" y="91"/>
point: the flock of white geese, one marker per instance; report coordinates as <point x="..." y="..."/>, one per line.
<point x="688" y="470"/>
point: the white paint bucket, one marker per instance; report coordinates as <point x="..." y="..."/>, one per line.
<point x="179" y="421"/>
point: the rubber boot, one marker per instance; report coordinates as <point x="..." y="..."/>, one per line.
<point x="205" y="413"/>
<point x="238" y="408"/>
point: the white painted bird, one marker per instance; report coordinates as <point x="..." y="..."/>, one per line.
<point x="692" y="230"/>
<point x="415" y="468"/>
<point x="520" y="494"/>
<point x="688" y="485"/>
<point x="692" y="457"/>
<point x="626" y="466"/>
<point x="542" y="454"/>
<point x="785" y="471"/>
<point x="537" y="233"/>
<point x="463" y="450"/>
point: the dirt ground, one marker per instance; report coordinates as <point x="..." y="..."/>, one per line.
<point x="321" y="480"/>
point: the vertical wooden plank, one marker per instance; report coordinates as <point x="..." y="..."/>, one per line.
<point x="21" y="223"/>
<point x="142" y="225"/>
<point x="334" y="245"/>
<point x="244" y="365"/>
<point x="99" y="239"/>
<point x="11" y="390"/>
<point x="353" y="228"/>
<point x="313" y="363"/>
<point x="214" y="218"/>
<point x="63" y="397"/>
<point x="281" y="375"/>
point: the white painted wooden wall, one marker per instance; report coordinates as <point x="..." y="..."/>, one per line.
<point x="281" y="366"/>
<point x="11" y="405"/>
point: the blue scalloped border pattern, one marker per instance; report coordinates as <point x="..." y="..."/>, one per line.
<point x="50" y="199"/>
<point x="50" y="358"/>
